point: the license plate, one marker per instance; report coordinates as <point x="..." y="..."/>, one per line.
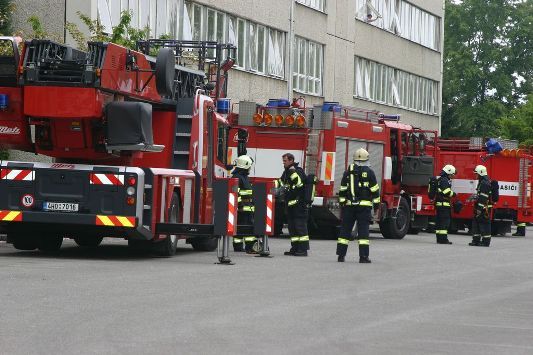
<point x="60" y="206"/>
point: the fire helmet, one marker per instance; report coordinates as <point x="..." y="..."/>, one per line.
<point x="449" y="169"/>
<point x="244" y="162"/>
<point x="360" y="155"/>
<point x="480" y="170"/>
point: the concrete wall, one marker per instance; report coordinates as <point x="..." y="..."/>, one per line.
<point x="50" y="12"/>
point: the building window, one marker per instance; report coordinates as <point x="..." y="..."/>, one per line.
<point x="401" y="18"/>
<point x="315" y="4"/>
<point x="307" y="70"/>
<point x="260" y="49"/>
<point x="383" y="84"/>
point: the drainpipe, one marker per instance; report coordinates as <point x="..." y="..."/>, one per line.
<point x="291" y="51"/>
<point x="441" y="64"/>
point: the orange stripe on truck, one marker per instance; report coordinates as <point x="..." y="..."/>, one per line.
<point x="115" y="221"/>
<point x="11" y="216"/>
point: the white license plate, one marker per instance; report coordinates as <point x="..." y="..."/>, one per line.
<point x="60" y="206"/>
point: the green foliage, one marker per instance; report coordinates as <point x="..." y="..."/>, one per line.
<point x="518" y="124"/>
<point x="37" y="27"/>
<point x="6" y="10"/>
<point x="123" y="33"/>
<point x="487" y="46"/>
<point x="4" y="154"/>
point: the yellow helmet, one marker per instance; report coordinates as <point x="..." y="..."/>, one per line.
<point x="244" y="162"/>
<point x="480" y="170"/>
<point x="360" y="155"/>
<point x="449" y="169"/>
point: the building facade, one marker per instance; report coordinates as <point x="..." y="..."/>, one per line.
<point x="383" y="55"/>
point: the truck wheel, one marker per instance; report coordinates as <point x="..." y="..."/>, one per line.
<point x="23" y="242"/>
<point x="50" y="243"/>
<point x="204" y="243"/>
<point x="164" y="71"/>
<point x="396" y="228"/>
<point x="89" y="242"/>
<point x="167" y="247"/>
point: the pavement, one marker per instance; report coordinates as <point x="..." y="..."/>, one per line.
<point x="416" y="297"/>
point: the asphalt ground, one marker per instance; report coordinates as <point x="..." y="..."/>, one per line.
<point x="416" y="297"/>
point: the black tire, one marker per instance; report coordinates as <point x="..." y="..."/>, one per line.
<point x="396" y="228"/>
<point x="23" y="242"/>
<point x="88" y="242"/>
<point x="50" y="243"/>
<point x="204" y="243"/>
<point x="167" y="247"/>
<point x="164" y="72"/>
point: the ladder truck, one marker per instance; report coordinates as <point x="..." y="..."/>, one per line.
<point x="140" y="151"/>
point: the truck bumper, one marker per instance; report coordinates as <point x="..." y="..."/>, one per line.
<point x="71" y="224"/>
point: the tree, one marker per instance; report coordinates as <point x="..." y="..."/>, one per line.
<point x="487" y="63"/>
<point x="6" y="10"/>
<point x="518" y="124"/>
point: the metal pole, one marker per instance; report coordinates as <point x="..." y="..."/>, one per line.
<point x="291" y="51"/>
<point x="223" y="258"/>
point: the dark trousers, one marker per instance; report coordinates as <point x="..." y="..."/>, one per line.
<point x="442" y="222"/>
<point x="349" y="215"/>
<point x="297" y="217"/>
<point x="244" y="218"/>
<point x="481" y="230"/>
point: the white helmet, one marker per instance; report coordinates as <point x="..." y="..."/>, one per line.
<point x="360" y="155"/>
<point x="449" y="169"/>
<point x="244" y="162"/>
<point x="480" y="170"/>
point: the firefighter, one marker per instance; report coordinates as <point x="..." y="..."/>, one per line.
<point x="292" y="181"/>
<point x="444" y="194"/>
<point x="520" y="229"/>
<point x="245" y="204"/>
<point x="359" y="193"/>
<point x="481" y="230"/>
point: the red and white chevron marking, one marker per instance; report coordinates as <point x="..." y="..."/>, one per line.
<point x="232" y="213"/>
<point x="17" y="175"/>
<point x="269" y="214"/>
<point x="107" y="179"/>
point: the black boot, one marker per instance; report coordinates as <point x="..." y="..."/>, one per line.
<point x="485" y="242"/>
<point x="520" y="232"/>
<point x="292" y="250"/>
<point x="476" y="241"/>
<point x="364" y="251"/>
<point x="443" y="239"/>
<point x="237" y="246"/>
<point x="301" y="250"/>
<point x="340" y="258"/>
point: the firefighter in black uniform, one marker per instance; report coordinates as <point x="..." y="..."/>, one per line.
<point x="481" y="230"/>
<point x="442" y="204"/>
<point x="245" y="212"/>
<point x="359" y="192"/>
<point x="292" y="181"/>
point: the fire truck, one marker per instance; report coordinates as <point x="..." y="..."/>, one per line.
<point x="139" y="148"/>
<point x="510" y="166"/>
<point x="324" y="138"/>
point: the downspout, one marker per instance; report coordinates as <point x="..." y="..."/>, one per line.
<point x="291" y="51"/>
<point x="441" y="64"/>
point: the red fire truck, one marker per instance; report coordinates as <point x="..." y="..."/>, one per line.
<point x="324" y="138"/>
<point x="138" y="145"/>
<point x="511" y="167"/>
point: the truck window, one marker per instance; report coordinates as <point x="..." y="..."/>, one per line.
<point x="8" y="63"/>
<point x="222" y="144"/>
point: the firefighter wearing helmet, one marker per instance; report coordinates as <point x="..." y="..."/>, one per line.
<point x="481" y="229"/>
<point x="245" y="203"/>
<point x="292" y="182"/>
<point x="443" y="198"/>
<point x="358" y="194"/>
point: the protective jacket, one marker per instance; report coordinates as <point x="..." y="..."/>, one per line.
<point x="292" y="180"/>
<point x="246" y="203"/>
<point x="359" y="187"/>
<point x="444" y="191"/>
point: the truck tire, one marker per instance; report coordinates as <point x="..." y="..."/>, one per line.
<point x="50" y="243"/>
<point x="396" y="228"/>
<point x="167" y="247"/>
<point x="88" y="242"/>
<point x="204" y="243"/>
<point x="23" y="242"/>
<point x="164" y="71"/>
